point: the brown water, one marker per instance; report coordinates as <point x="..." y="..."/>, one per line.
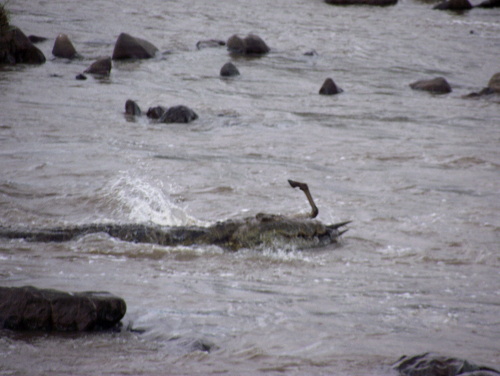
<point x="418" y="174"/>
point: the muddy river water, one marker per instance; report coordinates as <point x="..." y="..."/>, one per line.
<point x="418" y="174"/>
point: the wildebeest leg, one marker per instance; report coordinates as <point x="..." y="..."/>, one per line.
<point x="304" y="188"/>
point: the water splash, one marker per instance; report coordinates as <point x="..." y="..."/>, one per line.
<point x="143" y="200"/>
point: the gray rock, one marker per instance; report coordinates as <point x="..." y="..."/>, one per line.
<point x="64" y="48"/>
<point x="250" y="45"/>
<point x="329" y="88"/>
<point x="101" y="67"/>
<point x="437" y="85"/>
<point x="16" y="48"/>
<point x="29" y="308"/>
<point x="380" y="3"/>
<point x="178" y="114"/>
<point x="129" y="47"/>
<point x="429" y="364"/>
<point x="229" y="70"/>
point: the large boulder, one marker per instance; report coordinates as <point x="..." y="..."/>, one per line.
<point x="16" y="48"/>
<point x="380" y="3"/>
<point x="456" y="5"/>
<point x="178" y="114"/>
<point x="229" y="70"/>
<point x="430" y="364"/>
<point x="29" y="308"/>
<point x="250" y="45"/>
<point x="437" y="85"/>
<point x="329" y="88"/>
<point x="129" y="47"/>
<point x="101" y="67"/>
<point x="64" y="48"/>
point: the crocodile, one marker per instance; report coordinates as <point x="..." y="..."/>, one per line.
<point x="233" y="234"/>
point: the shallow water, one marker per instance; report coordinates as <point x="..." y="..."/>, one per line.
<point x="418" y="174"/>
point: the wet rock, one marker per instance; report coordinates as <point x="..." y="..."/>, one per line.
<point x="250" y="45"/>
<point x="132" y="108"/>
<point x="129" y="47"/>
<point x="229" y="70"/>
<point x="101" y="67"/>
<point x="492" y="88"/>
<point x="178" y="114"/>
<point x="36" y="39"/>
<point x="380" y="3"/>
<point x="329" y="88"/>
<point x="63" y="47"/>
<point x="80" y="77"/>
<point x="489" y="4"/>
<point x="210" y="43"/>
<point x="455" y="5"/>
<point x="16" y="48"/>
<point x="437" y="85"/>
<point x="311" y="53"/>
<point x="29" y="308"/>
<point x="156" y="112"/>
<point x="430" y="364"/>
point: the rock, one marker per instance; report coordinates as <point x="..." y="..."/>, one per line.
<point x="250" y="45"/>
<point x="489" y="4"/>
<point x="229" y="70"/>
<point x="430" y="364"/>
<point x="210" y="43"/>
<point x="36" y="39"/>
<point x="329" y="88"/>
<point x="456" y="5"/>
<point x="29" y="308"/>
<point x="63" y="47"/>
<point x="437" y="85"/>
<point x="178" y="114"/>
<point x="129" y="47"/>
<point x="100" y="67"/>
<point x="380" y="3"/>
<point x="311" y="53"/>
<point x="81" y="77"/>
<point x="156" y="112"/>
<point x="16" y="48"/>
<point x="132" y="108"/>
<point x="494" y="83"/>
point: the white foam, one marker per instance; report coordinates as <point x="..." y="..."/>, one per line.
<point x="143" y="200"/>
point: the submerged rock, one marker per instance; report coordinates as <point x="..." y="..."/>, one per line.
<point x="250" y="45"/>
<point x="29" y="308"/>
<point x="129" y="47"/>
<point x="437" y="85"/>
<point x="229" y="70"/>
<point x="210" y="43"/>
<point x="63" y="47"/>
<point x="16" y="48"/>
<point x="430" y="364"/>
<point x="455" y="5"/>
<point x="178" y="114"/>
<point x="379" y="3"/>
<point x="329" y="88"/>
<point x="101" y="67"/>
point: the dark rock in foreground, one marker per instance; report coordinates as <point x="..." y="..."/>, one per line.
<point x="129" y="47"/>
<point x="455" y="5"/>
<point x="63" y="47"/>
<point x="229" y="70"/>
<point x="250" y="45"/>
<point x="29" y="308"/>
<point x="380" y="3"/>
<point x="329" y="88"/>
<point x="16" y="48"/>
<point x="101" y="67"/>
<point x="437" y="85"/>
<point x="430" y="364"/>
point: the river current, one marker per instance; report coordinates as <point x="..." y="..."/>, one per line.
<point x="418" y="174"/>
